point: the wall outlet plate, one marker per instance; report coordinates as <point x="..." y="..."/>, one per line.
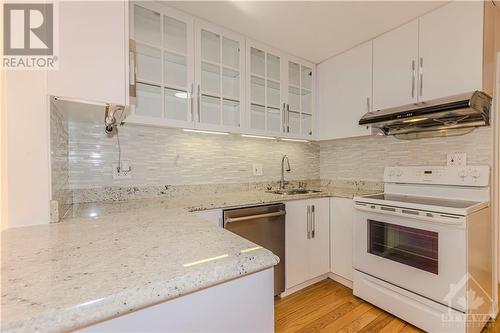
<point x="125" y="172"/>
<point x="257" y="169"/>
<point x="457" y="159"/>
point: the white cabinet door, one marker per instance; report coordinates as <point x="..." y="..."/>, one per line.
<point x="264" y="90"/>
<point x="307" y="240"/>
<point x="319" y="243"/>
<point x="219" y="67"/>
<point x="341" y="219"/>
<point x="296" y="243"/>
<point x="451" y="50"/>
<point x="92" y="54"/>
<point x="300" y="78"/>
<point x="345" y="90"/>
<point x="164" y="65"/>
<point x="395" y="56"/>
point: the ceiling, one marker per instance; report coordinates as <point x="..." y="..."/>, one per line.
<point x="312" y="30"/>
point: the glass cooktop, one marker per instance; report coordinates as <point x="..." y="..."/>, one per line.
<point x="461" y="204"/>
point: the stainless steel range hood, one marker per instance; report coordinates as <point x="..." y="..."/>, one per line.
<point x="454" y="115"/>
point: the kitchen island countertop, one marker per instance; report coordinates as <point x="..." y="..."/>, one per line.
<point x="108" y="259"/>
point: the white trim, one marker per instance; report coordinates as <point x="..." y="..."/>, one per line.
<point x="495" y="194"/>
<point x="303" y="285"/>
<point x="332" y="276"/>
<point x="340" y="279"/>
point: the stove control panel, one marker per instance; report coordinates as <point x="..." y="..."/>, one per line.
<point x="439" y="175"/>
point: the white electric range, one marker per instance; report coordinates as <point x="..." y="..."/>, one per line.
<point x="423" y="249"/>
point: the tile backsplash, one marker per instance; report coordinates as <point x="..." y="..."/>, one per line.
<point x="59" y="157"/>
<point x="161" y="156"/>
<point x="364" y="158"/>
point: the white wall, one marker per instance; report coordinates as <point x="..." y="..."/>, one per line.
<point x="3" y="141"/>
<point x="27" y="133"/>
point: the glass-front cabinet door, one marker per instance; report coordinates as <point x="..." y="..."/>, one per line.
<point x="219" y="78"/>
<point x="300" y="99"/>
<point x="264" y="90"/>
<point x="162" y="54"/>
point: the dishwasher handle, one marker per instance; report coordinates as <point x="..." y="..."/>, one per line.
<point x="253" y="217"/>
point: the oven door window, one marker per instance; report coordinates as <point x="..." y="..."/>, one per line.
<point x="413" y="247"/>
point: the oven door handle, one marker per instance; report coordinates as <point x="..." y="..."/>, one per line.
<point x="437" y="218"/>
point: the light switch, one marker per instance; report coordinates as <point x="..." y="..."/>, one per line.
<point x="257" y="169"/>
<point x="457" y="159"/>
<point x="123" y="172"/>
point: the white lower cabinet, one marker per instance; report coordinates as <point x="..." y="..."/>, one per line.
<point x="307" y="240"/>
<point x="249" y="301"/>
<point x="341" y="220"/>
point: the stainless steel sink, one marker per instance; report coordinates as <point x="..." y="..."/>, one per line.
<point x="293" y="191"/>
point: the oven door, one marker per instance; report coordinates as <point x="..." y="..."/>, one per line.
<point x="425" y="257"/>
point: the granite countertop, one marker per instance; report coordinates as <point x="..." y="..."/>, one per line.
<point x="108" y="259"/>
<point x="61" y="277"/>
<point x="193" y="203"/>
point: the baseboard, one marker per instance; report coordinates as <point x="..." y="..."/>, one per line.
<point x="303" y="285"/>
<point x="330" y="275"/>
<point x="340" y="279"/>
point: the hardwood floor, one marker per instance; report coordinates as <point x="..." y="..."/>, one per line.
<point x="328" y="306"/>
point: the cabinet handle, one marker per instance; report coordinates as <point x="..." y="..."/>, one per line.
<point x="283" y="118"/>
<point x="313" y="221"/>
<point x="368" y="104"/>
<point x="199" y="103"/>
<point x="308" y="221"/>
<point x="288" y="118"/>
<point x="192" y="101"/>
<point x="413" y="77"/>
<point x="421" y="76"/>
<point x="132" y="71"/>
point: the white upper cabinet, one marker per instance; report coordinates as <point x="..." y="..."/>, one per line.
<point x="92" y="55"/>
<point x="219" y="67"/>
<point x="451" y="50"/>
<point x="299" y="93"/>
<point x="438" y="55"/>
<point x="395" y="56"/>
<point x="345" y="90"/>
<point x="264" y="90"/>
<point x="163" y="59"/>
<point x="189" y="73"/>
<point x="280" y="91"/>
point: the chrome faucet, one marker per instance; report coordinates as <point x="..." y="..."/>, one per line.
<point x="282" y="181"/>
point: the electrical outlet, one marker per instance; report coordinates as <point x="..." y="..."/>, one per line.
<point x="457" y="159"/>
<point x="257" y="169"/>
<point x="123" y="172"/>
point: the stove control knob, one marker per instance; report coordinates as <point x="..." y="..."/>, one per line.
<point x="399" y="172"/>
<point x="475" y="174"/>
<point x="391" y="172"/>
<point x="462" y="174"/>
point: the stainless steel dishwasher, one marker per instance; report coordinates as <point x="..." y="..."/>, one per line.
<point x="265" y="226"/>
